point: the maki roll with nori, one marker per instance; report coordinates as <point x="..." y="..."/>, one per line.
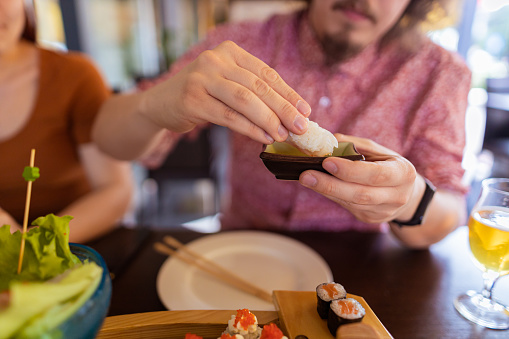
<point x="344" y="311"/>
<point x="325" y="293"/>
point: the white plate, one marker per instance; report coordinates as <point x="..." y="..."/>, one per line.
<point x="268" y="260"/>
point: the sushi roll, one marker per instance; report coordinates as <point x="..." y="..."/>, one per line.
<point x="229" y="336"/>
<point x="325" y="293"/>
<point x="316" y="141"/>
<point x="245" y="324"/>
<point x="271" y="331"/>
<point x="192" y="336"/>
<point x="344" y="311"/>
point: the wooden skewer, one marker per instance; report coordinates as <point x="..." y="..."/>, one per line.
<point x="25" y="217"/>
<point x="206" y="265"/>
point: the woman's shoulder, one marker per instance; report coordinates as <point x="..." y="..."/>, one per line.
<point x="68" y="60"/>
<point x="74" y="68"/>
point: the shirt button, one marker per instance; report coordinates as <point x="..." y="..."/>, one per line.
<point x="324" y="101"/>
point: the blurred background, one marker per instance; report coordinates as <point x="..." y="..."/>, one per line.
<point x="132" y="40"/>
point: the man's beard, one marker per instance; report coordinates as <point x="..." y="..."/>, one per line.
<point x="338" y="49"/>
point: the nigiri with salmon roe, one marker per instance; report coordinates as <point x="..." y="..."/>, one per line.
<point x="229" y="336"/>
<point x="271" y="331"/>
<point x="244" y="323"/>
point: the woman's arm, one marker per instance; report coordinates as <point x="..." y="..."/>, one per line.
<point x="7" y="219"/>
<point x="100" y="210"/>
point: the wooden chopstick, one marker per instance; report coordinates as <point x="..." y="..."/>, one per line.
<point x="206" y="265"/>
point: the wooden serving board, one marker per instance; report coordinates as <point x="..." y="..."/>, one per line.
<point x="174" y="324"/>
<point x="298" y="315"/>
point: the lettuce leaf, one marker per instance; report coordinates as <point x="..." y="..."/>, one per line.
<point x="38" y="307"/>
<point x="47" y="253"/>
<point x="53" y="283"/>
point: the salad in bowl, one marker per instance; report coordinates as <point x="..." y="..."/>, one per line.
<point x="63" y="290"/>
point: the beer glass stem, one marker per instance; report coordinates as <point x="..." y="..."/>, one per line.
<point x="489" y="279"/>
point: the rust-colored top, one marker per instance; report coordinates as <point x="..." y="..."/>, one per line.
<point x="70" y="93"/>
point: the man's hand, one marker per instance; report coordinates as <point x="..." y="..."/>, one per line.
<point x="228" y="86"/>
<point x="382" y="188"/>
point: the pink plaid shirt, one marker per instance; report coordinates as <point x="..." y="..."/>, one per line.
<point x="413" y="104"/>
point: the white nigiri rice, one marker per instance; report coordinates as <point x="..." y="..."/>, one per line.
<point x="317" y="141"/>
<point x="236" y="336"/>
<point x="252" y="332"/>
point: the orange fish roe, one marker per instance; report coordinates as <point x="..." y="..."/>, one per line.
<point x="331" y="291"/>
<point x="245" y="318"/>
<point x="271" y="331"/>
<point x="192" y="336"/>
<point x="227" y="336"/>
<point x="347" y="307"/>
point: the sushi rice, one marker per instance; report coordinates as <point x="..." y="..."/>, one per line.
<point x="344" y="311"/>
<point x="244" y="323"/>
<point x="325" y="293"/>
<point x="316" y="141"/>
<point x="229" y="336"/>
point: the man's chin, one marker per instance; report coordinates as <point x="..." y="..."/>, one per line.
<point x="337" y="51"/>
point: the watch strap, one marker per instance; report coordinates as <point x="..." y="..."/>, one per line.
<point x="429" y="191"/>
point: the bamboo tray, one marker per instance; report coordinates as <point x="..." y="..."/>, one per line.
<point x="174" y="324"/>
<point x="296" y="315"/>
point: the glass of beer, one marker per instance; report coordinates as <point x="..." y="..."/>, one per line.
<point x="488" y="235"/>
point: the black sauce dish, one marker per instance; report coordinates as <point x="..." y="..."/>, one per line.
<point x="287" y="162"/>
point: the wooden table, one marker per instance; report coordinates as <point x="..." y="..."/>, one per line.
<point x="410" y="291"/>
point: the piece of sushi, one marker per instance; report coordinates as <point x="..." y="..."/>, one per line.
<point x="192" y="336"/>
<point x="229" y="336"/>
<point x="244" y="323"/>
<point x="271" y="331"/>
<point x="316" y="142"/>
<point x="325" y="293"/>
<point x="344" y="311"/>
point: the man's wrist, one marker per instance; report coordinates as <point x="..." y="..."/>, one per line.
<point x="408" y="210"/>
<point x="420" y="210"/>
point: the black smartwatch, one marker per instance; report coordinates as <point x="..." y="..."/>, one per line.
<point x="421" y="209"/>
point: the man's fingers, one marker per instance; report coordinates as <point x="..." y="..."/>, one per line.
<point x="224" y="115"/>
<point x="350" y="193"/>
<point x="241" y="99"/>
<point x="288" y="113"/>
<point x="365" y="146"/>
<point x="393" y="171"/>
